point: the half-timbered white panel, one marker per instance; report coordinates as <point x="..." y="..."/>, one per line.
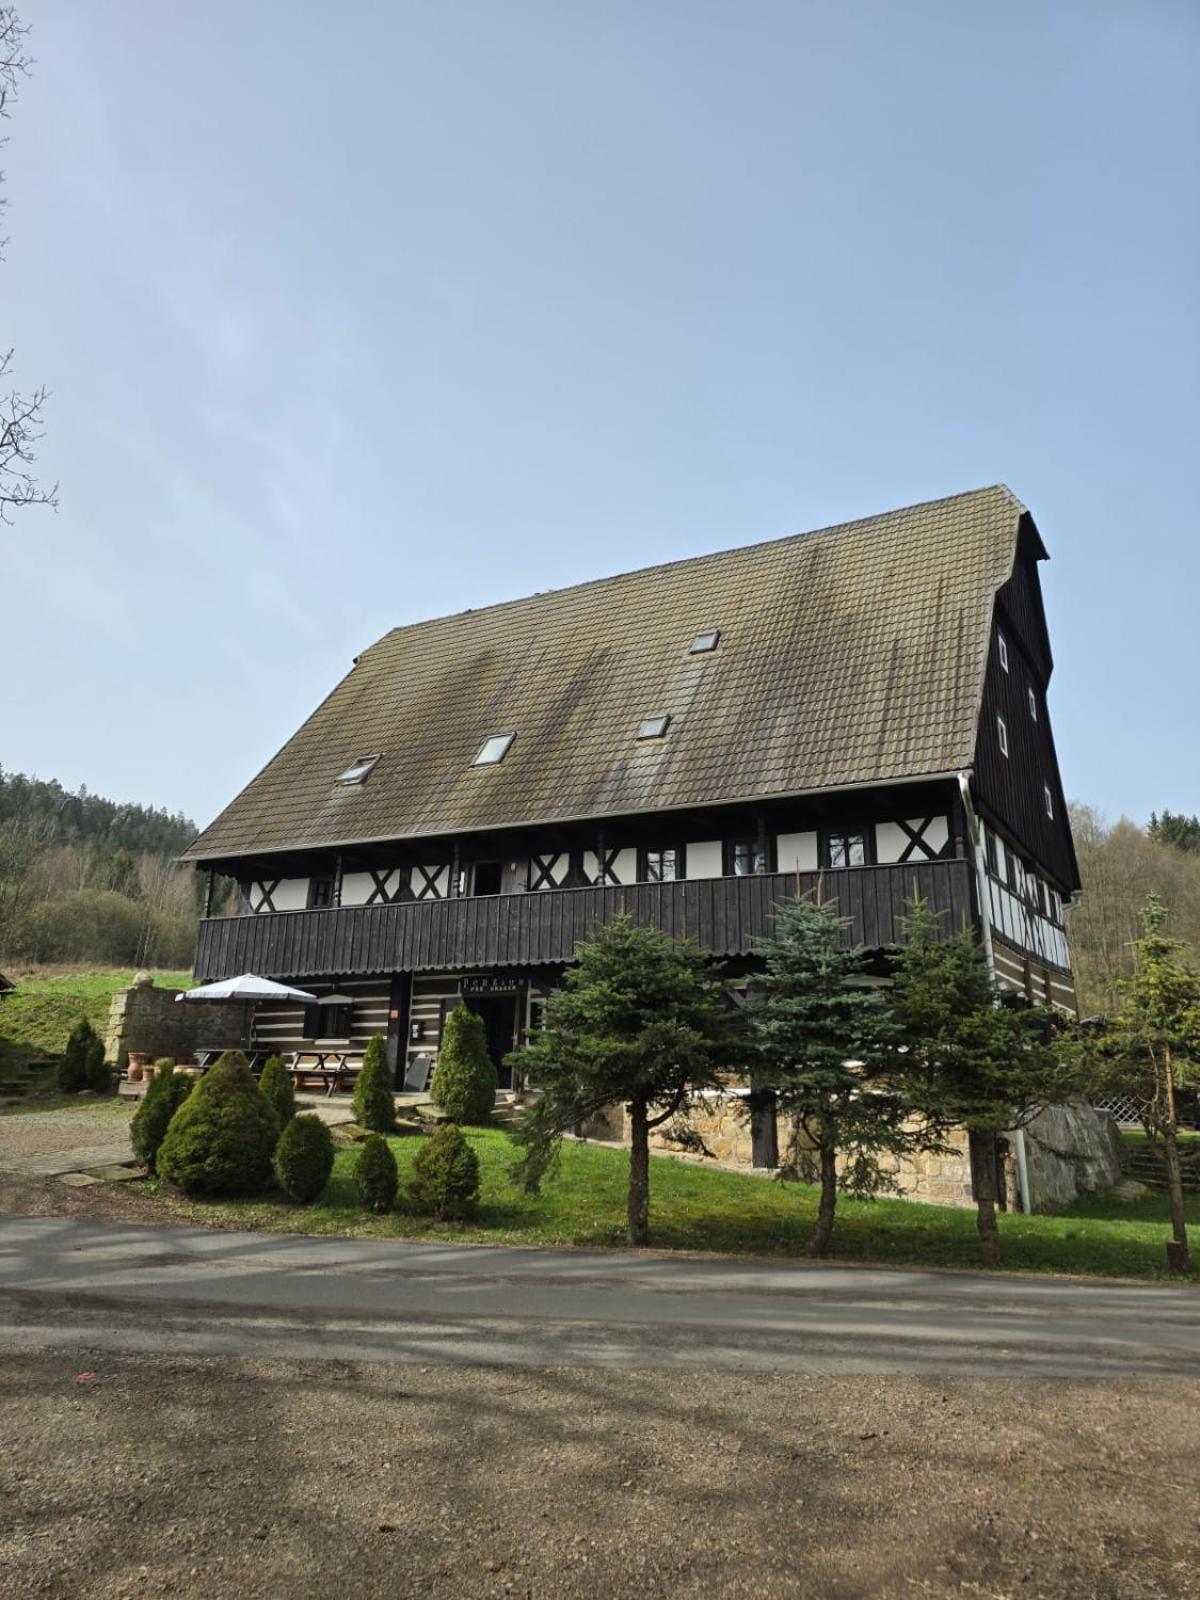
<point x="706" y="859"/>
<point x="430" y="883"/>
<point x="624" y="866"/>
<point x="591" y="866"/>
<point x="277" y="894"/>
<point x="375" y="887"/>
<point x="797" y="852"/>
<point x="917" y="839"/>
<point x="549" y="871"/>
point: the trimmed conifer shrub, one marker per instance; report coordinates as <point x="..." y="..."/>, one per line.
<point x="97" y="1072"/>
<point x="375" y="1174"/>
<point x="445" y="1180"/>
<point x="223" y="1136"/>
<point x="304" y="1158"/>
<point x="464" y="1079"/>
<point x="373" y="1105"/>
<point x="276" y="1083"/>
<point x="167" y="1092"/>
<point x="73" y="1066"/>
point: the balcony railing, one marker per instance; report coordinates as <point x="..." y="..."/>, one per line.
<point x="725" y="915"/>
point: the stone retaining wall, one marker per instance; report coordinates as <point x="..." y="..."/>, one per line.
<point x="145" y="1018"/>
<point x="1070" y="1151"/>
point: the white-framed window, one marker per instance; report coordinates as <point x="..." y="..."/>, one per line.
<point x="1002" y="734"/>
<point x="1002" y="647"/>
<point x="1033" y="711"/>
<point x="1049" y="798"/>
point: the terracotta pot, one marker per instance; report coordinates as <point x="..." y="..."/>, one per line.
<point x="135" y="1071"/>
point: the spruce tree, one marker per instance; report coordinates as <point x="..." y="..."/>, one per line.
<point x="166" y="1092"/>
<point x="824" y="1044"/>
<point x="979" y="1061"/>
<point x="373" y="1103"/>
<point x="640" y="1018"/>
<point x="464" y="1079"/>
<point x="97" y="1075"/>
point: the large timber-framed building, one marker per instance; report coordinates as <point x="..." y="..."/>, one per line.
<point x="859" y="711"/>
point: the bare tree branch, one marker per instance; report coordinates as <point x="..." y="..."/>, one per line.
<point x="20" y="414"/>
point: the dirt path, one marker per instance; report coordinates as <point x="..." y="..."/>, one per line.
<point x="225" y="1478"/>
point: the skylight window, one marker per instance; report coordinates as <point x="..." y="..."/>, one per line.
<point x="358" y="771"/>
<point x="653" y="727"/>
<point x="704" y="642"/>
<point x="493" y="749"/>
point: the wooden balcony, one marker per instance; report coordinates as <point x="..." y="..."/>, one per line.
<point x="725" y="915"/>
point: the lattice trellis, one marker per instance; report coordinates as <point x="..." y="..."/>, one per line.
<point x="1123" y="1108"/>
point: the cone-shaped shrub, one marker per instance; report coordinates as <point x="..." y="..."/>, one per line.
<point x="73" y="1067"/>
<point x="304" y="1158"/>
<point x="445" y="1180"/>
<point x="375" y="1175"/>
<point x="167" y="1092"/>
<point x="464" y="1080"/>
<point x="373" y="1104"/>
<point x="222" y="1138"/>
<point x="97" y="1072"/>
<point x="276" y="1084"/>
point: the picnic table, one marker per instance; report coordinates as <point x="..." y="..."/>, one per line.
<point x="206" y="1057"/>
<point x="335" y="1069"/>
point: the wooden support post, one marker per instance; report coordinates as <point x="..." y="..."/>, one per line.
<point x="455" y="873"/>
<point x="762" y="862"/>
<point x="209" y="877"/>
<point x="601" y="871"/>
<point x="399" y="993"/>
<point x="335" y="898"/>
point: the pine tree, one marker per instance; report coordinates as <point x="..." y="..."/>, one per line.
<point x="824" y="1044"/>
<point x="978" y="1061"/>
<point x="640" y="1018"/>
<point x="464" y="1080"/>
<point x="1152" y="1049"/>
<point x="373" y="1103"/>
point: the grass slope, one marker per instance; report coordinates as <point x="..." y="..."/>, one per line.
<point x="37" y="1017"/>
<point x="697" y="1208"/>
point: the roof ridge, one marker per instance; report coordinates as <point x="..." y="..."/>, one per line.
<point x="711" y="555"/>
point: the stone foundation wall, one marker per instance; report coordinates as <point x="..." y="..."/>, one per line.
<point x="145" y="1018"/>
<point x="1069" y="1151"/>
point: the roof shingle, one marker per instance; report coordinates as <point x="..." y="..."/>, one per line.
<point x="853" y="654"/>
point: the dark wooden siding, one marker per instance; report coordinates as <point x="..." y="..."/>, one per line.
<point x="726" y="915"/>
<point x="1010" y="788"/>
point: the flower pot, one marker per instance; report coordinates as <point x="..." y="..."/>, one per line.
<point x="135" y="1071"/>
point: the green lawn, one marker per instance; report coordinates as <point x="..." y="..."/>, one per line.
<point x="696" y="1208"/>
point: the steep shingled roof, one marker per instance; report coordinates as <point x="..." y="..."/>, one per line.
<point x="853" y="654"/>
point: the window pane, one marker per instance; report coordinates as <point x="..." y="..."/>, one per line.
<point x="847" y="849"/>
<point x="494" y="749"/>
<point x="660" y="866"/>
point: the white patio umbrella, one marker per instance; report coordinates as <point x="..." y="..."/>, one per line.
<point x="247" y="987"/>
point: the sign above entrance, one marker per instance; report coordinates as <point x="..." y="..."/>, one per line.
<point x="489" y="985"/>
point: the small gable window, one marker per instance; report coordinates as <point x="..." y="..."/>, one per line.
<point x="704" y="642"/>
<point x="359" y="770"/>
<point x="493" y="749"/>
<point x="662" y="866"/>
<point x="320" y="893"/>
<point x="1002" y="646"/>
<point x="1032" y="704"/>
<point x="654" y="727"/>
<point x="1002" y="735"/>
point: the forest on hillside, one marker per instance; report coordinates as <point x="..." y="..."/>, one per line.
<point x="83" y="878"/>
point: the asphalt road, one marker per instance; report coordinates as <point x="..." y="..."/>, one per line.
<point x="125" y="1287"/>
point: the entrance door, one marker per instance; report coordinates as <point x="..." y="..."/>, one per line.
<point x="499" y="1013"/>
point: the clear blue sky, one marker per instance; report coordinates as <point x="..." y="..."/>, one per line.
<point x="362" y="314"/>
